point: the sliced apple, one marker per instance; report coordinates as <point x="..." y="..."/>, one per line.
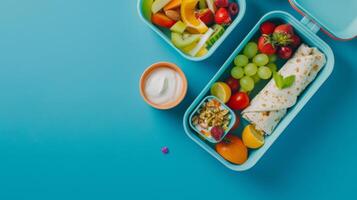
<point x="158" y="5"/>
<point x="194" y="25"/>
<point x="178" y="27"/>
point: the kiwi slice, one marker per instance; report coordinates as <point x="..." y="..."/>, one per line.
<point x="218" y="32"/>
<point x="183" y="40"/>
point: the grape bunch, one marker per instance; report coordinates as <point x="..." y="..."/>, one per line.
<point x="252" y="66"/>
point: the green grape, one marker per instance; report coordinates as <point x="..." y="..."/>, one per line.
<point x="247" y="83"/>
<point x="250" y="50"/>
<point x="250" y="69"/>
<point x="237" y="72"/>
<point x="241" y="60"/>
<point x="261" y="59"/>
<point x="264" y="72"/>
<point x="272" y="67"/>
<point x="243" y="90"/>
<point x="256" y="78"/>
<point x="272" y="58"/>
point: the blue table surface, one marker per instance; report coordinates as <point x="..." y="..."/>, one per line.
<point x="73" y="124"/>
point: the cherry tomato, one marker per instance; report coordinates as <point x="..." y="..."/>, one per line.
<point x="222" y="16"/>
<point x="239" y="101"/>
<point x="285" y="52"/>
<point x="295" y="41"/>
<point x="233" y="83"/>
<point x="236" y="123"/>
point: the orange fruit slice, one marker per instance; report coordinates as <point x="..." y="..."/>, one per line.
<point x="252" y="138"/>
<point x="188" y="16"/>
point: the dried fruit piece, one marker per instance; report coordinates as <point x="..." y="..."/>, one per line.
<point x="173" y="14"/>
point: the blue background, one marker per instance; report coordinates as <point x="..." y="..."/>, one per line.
<point x="73" y="124"/>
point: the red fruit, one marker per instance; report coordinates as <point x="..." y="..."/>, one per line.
<point x="233" y="83"/>
<point x="221" y="3"/>
<point x="282" y="35"/>
<point x="233" y="9"/>
<point x="238" y="101"/>
<point x="217" y="132"/>
<point x="267" y="28"/>
<point x="206" y="16"/>
<point x="236" y="124"/>
<point x="222" y="16"/>
<point x="285" y="52"/>
<point x="162" y="20"/>
<point x="265" y="45"/>
<point x="284" y="28"/>
<point x="295" y="41"/>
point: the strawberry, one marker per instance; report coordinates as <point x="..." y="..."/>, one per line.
<point x="222" y="16"/>
<point x="282" y="35"/>
<point x="267" y="28"/>
<point x="265" y="45"/>
<point x="284" y="28"/>
<point x="295" y="41"/>
<point x="206" y="16"/>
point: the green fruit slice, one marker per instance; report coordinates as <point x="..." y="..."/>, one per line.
<point x="202" y="4"/>
<point x="178" y="27"/>
<point x="218" y="32"/>
<point x="146" y="8"/>
<point x="183" y="40"/>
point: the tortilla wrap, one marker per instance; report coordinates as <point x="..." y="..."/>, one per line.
<point x="270" y="105"/>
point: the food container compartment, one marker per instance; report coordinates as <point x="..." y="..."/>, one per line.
<point x="165" y="34"/>
<point x="307" y="32"/>
<point x="231" y="123"/>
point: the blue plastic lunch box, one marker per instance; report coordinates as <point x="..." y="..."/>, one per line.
<point x="164" y="34"/>
<point x="341" y="28"/>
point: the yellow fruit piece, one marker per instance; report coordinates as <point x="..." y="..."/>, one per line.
<point x="188" y="16"/>
<point x="252" y="138"/>
<point x="173" y="5"/>
<point x="222" y="91"/>
<point x="188" y="48"/>
<point x="202" y="52"/>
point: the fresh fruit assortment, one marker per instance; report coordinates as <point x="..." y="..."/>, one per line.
<point x="277" y="38"/>
<point x="195" y="25"/>
<point x="212" y="119"/>
<point x="255" y="63"/>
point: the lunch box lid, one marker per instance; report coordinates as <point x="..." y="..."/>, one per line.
<point x="337" y="18"/>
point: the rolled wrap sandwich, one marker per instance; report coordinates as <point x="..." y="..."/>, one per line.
<point x="269" y="106"/>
